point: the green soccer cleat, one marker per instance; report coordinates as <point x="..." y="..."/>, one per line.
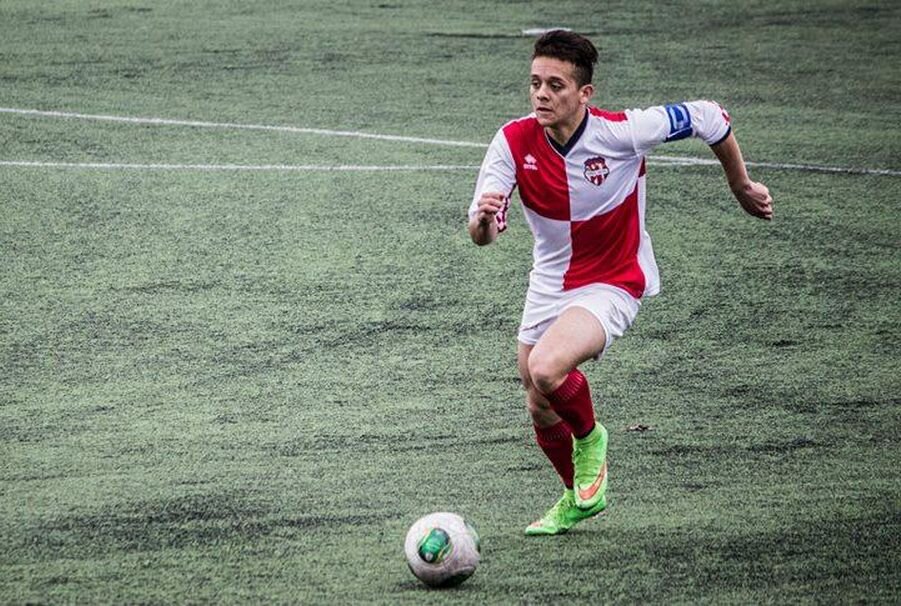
<point x="563" y="516"/>
<point x="590" y="468"/>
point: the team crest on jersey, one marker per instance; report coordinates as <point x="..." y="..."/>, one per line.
<point x="596" y="170"/>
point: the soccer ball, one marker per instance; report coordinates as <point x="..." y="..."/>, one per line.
<point x="442" y="549"/>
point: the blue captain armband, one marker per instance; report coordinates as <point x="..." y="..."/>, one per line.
<point x="679" y="122"/>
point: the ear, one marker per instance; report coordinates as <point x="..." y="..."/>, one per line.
<point x="586" y="93"/>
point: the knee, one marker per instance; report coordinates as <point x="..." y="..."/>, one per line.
<point x="545" y="375"/>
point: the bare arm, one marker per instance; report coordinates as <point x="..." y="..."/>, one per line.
<point x="754" y="197"/>
<point x="483" y="226"/>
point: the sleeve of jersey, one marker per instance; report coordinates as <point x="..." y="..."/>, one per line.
<point x="664" y="123"/>
<point x="497" y="174"/>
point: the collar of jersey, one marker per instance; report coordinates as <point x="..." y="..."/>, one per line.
<point x="565" y="149"/>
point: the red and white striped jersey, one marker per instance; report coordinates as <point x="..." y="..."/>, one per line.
<point x="586" y="209"/>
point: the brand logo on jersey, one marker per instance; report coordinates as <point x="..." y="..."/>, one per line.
<point x="596" y="170"/>
<point x="530" y="162"/>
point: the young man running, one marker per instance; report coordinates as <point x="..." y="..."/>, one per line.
<point x="580" y="171"/>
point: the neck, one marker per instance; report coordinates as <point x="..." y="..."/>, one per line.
<point x="561" y="133"/>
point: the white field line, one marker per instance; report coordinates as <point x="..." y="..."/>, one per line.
<point x="238" y="167"/>
<point x="673" y="160"/>
<point x="264" y="167"/>
<point x="818" y="168"/>
<point x="232" y="125"/>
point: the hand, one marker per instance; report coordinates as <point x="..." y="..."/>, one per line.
<point x="490" y="204"/>
<point x="755" y="199"/>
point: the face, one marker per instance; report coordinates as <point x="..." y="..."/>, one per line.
<point x="557" y="99"/>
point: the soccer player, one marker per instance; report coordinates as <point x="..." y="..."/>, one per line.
<point x="580" y="171"/>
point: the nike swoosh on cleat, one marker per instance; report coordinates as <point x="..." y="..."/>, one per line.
<point x="587" y="493"/>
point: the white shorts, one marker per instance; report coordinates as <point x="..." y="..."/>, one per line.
<point x="613" y="307"/>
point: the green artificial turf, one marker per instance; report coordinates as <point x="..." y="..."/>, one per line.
<point x="243" y="386"/>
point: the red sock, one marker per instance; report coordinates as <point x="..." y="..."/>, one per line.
<point x="572" y="401"/>
<point x="557" y="443"/>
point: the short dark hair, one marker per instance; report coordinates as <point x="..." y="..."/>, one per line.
<point x="571" y="47"/>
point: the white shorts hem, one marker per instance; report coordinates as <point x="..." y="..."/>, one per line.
<point x="613" y="307"/>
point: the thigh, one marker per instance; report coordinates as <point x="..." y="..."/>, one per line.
<point x="576" y="336"/>
<point x="523" y="351"/>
